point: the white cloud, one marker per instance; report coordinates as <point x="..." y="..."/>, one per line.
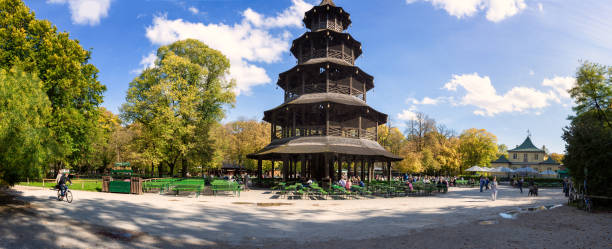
<point x="560" y="85"/>
<point x="86" y="11"/>
<point x="291" y="17"/>
<point x="246" y="43"/>
<point x="531" y="72"/>
<point x="496" y="10"/>
<point x="427" y="101"/>
<point x="193" y="10"/>
<point x="407" y="115"/>
<point x="146" y="62"/>
<point x="540" y="7"/>
<point x="481" y="94"/>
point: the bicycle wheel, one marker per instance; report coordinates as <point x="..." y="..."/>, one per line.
<point x="68" y="196"/>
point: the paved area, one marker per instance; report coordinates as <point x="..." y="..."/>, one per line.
<point x="255" y="218"/>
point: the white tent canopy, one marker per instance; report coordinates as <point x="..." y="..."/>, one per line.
<point x="526" y="170"/>
<point x="502" y="170"/>
<point x="486" y="169"/>
<point x="548" y="172"/>
<point x="474" y="168"/>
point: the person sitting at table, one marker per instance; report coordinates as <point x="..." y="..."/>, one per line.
<point x="348" y="185"/>
<point x="342" y="183"/>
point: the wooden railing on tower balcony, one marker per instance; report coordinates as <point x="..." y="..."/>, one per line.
<point x="328" y="53"/>
<point x="296" y="92"/>
<point x="339" y="131"/>
<point x="329" y="24"/>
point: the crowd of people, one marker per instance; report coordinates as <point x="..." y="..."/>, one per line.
<point x="485" y="183"/>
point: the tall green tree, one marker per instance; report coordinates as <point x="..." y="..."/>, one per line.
<point x="588" y="153"/>
<point x="24" y="110"/>
<point x="477" y="147"/>
<point x="178" y="100"/>
<point x="68" y="79"/>
<point x="593" y="91"/>
<point x="589" y="136"/>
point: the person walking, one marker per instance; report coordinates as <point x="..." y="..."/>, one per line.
<point x="481" y="183"/>
<point x="494" y="188"/>
<point x="520" y="184"/>
<point x="487" y="183"/>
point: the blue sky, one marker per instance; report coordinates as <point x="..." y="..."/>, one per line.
<point x="501" y="65"/>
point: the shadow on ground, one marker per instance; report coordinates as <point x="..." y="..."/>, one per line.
<point x="129" y="224"/>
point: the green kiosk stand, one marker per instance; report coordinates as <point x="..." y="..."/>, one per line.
<point x="120" y="181"/>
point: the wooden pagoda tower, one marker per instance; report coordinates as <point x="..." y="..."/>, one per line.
<point x="324" y="124"/>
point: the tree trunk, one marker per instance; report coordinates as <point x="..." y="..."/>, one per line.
<point x="160" y="170"/>
<point x="184" y="165"/>
<point x="171" y="169"/>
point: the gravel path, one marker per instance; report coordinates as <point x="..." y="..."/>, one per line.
<point x="162" y="221"/>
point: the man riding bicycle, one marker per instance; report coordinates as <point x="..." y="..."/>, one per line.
<point x="62" y="183"/>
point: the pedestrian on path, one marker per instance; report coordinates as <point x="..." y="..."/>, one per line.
<point x="520" y="184"/>
<point x="494" y="188"/>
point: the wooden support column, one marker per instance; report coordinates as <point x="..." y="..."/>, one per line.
<point x="363" y="170"/>
<point x="293" y="133"/>
<point x="326" y="175"/>
<point x="326" y="79"/>
<point x="354" y="162"/>
<point x="303" y="83"/>
<point x="353" y="55"/>
<point x="293" y="166"/>
<point x="303" y="167"/>
<point x="327" y="120"/>
<point x="326" y="46"/>
<point x="389" y="171"/>
<point x="351" y="85"/>
<point x="286" y="89"/>
<point x="377" y="131"/>
<point x="359" y="130"/>
<point x="364" y="91"/>
<point x="259" y="170"/>
<point x="370" y="171"/>
<point x="285" y="169"/>
<point x="348" y="168"/>
<point x="339" y="169"/>
<point x="303" y="131"/>
<point x="300" y="59"/>
<point x="272" y="173"/>
<point x="312" y="48"/>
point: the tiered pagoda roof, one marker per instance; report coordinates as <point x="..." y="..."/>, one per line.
<point x="324" y="117"/>
<point x="526" y="146"/>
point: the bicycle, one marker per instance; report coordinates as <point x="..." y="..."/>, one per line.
<point x="588" y="204"/>
<point x="68" y="195"/>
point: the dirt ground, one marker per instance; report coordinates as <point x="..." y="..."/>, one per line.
<point x="463" y="218"/>
<point x="564" y="227"/>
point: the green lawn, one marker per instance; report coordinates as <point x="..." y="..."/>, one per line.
<point x="87" y="185"/>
